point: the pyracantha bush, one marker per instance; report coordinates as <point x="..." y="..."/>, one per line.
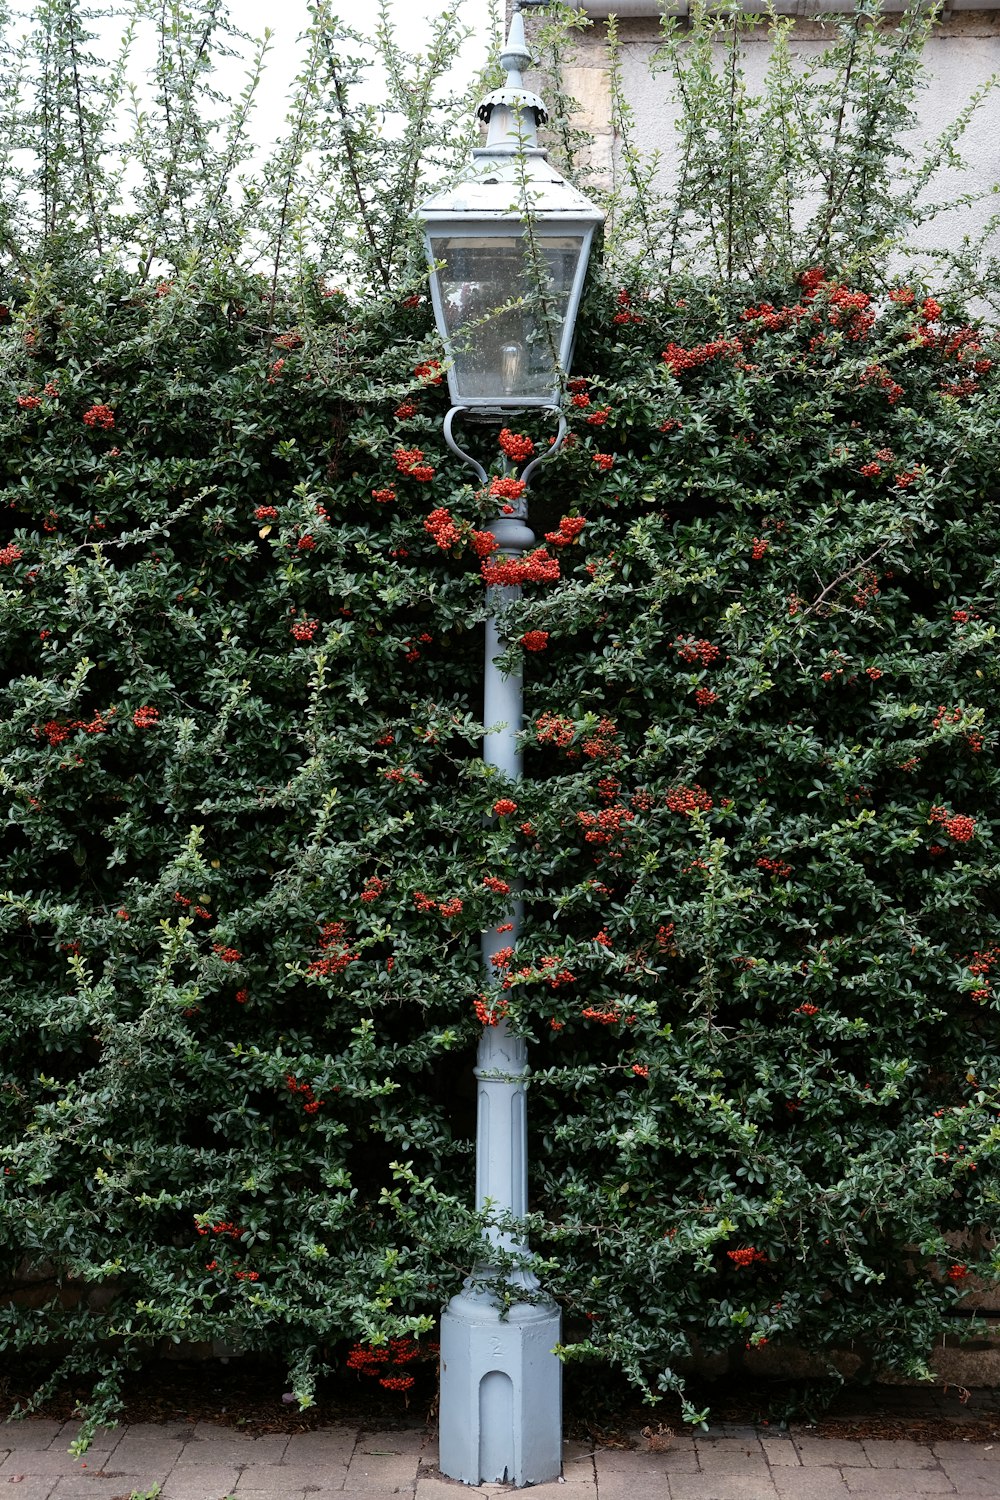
<point x="251" y="844"/>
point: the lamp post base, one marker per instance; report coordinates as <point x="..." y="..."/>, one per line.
<point x="501" y="1391"/>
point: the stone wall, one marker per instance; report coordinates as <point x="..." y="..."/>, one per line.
<point x="963" y="54"/>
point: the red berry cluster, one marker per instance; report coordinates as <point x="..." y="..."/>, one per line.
<point x="489" y="1015"/>
<point x="310" y="1103"/>
<point x="552" y="729"/>
<point x="100" y="416"/>
<point x="29" y="403"/>
<point x="956" y="825"/>
<point x="384" y="497"/>
<point x="336" y="951"/>
<point x="304" y="630"/>
<point x="200" y="911"/>
<point x="778" y="868"/>
<point x="860" y="317"/>
<point x="688" y="799"/>
<point x="452" y="907"/>
<point x="770" y="318"/>
<point x="10" y="554"/>
<point x="503" y="806"/>
<point x="676" y="358"/>
<point x="228" y="955"/>
<point x="689" y="650"/>
<point x="495" y="884"/>
<point x="429" y="372"/>
<point x="759" y="548"/>
<point x="224" y="1227"/>
<point x="957" y="1273"/>
<point x="410" y="461"/>
<point x="374" y="887"/>
<point x="602" y="827"/>
<point x="266" y="513"/>
<point x="867" y="591"/>
<point x="704" y="697"/>
<point x="442" y="528"/>
<point x="536" y="567"/>
<point x="746" y="1257"/>
<point x="879" y="376"/>
<point x="601" y="744"/>
<point x="569" y="529"/>
<point x="56" y="733"/>
<point x="517" y="447"/>
<point x="606" y="1017"/>
<point x="507" y="489"/>
<point x="604" y="461"/>
<point x="535" y="640"/>
<point x="599" y="418"/>
<point x="807" y="1009"/>
<point x="483" y="543"/>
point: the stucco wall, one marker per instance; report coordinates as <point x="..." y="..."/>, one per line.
<point x="962" y="54"/>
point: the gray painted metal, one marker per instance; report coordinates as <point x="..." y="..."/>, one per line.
<point x="501" y="1385"/>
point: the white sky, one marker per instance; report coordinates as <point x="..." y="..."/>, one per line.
<point x="288" y="19"/>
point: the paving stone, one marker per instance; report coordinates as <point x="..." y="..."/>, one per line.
<point x="645" y="1469"/>
<point x="902" y="1454"/>
<point x="559" y="1489"/>
<point x="161" y="1432"/>
<point x="973" y="1478"/>
<point x="898" y="1482"/>
<point x="578" y="1462"/>
<point x="54" y="1461"/>
<point x="29" y="1488"/>
<point x="405" y="1440"/>
<point x="89" y="1487"/>
<point x="237" y="1452"/>
<point x="332" y="1445"/>
<point x="104" y="1440"/>
<point x="810" y="1484"/>
<point x="717" y="1486"/>
<point x="210" y="1483"/>
<point x="731" y="1456"/>
<point x="435" y="1487"/>
<point x="781" y="1453"/>
<point x="968" y="1452"/>
<point x="838" y="1453"/>
<point x="31" y="1433"/>
<point x="134" y="1454"/>
<point x="370" y="1471"/>
<point x="311" y="1477"/>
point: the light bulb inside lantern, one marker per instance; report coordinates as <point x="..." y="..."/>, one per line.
<point x="511" y="367"/>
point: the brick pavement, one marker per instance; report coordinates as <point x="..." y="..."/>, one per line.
<point x="203" y="1461"/>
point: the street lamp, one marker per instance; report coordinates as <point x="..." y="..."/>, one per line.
<point x="507" y="246"/>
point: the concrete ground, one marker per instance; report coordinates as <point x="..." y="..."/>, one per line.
<point x="203" y="1461"/>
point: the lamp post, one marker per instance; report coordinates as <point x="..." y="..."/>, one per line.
<point x="507" y="246"/>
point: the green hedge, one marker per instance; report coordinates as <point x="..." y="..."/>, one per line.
<point x="249" y="846"/>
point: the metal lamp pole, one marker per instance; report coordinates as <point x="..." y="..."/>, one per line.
<point x="501" y="1384"/>
<point x="505" y="283"/>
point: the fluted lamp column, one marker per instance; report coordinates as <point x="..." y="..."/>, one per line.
<point x="507" y="247"/>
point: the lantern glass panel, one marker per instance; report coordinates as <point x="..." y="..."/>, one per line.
<point x="500" y="350"/>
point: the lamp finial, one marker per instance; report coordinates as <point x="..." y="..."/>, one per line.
<point x="513" y="113"/>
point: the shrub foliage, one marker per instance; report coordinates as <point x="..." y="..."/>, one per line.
<point x="250" y="843"/>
